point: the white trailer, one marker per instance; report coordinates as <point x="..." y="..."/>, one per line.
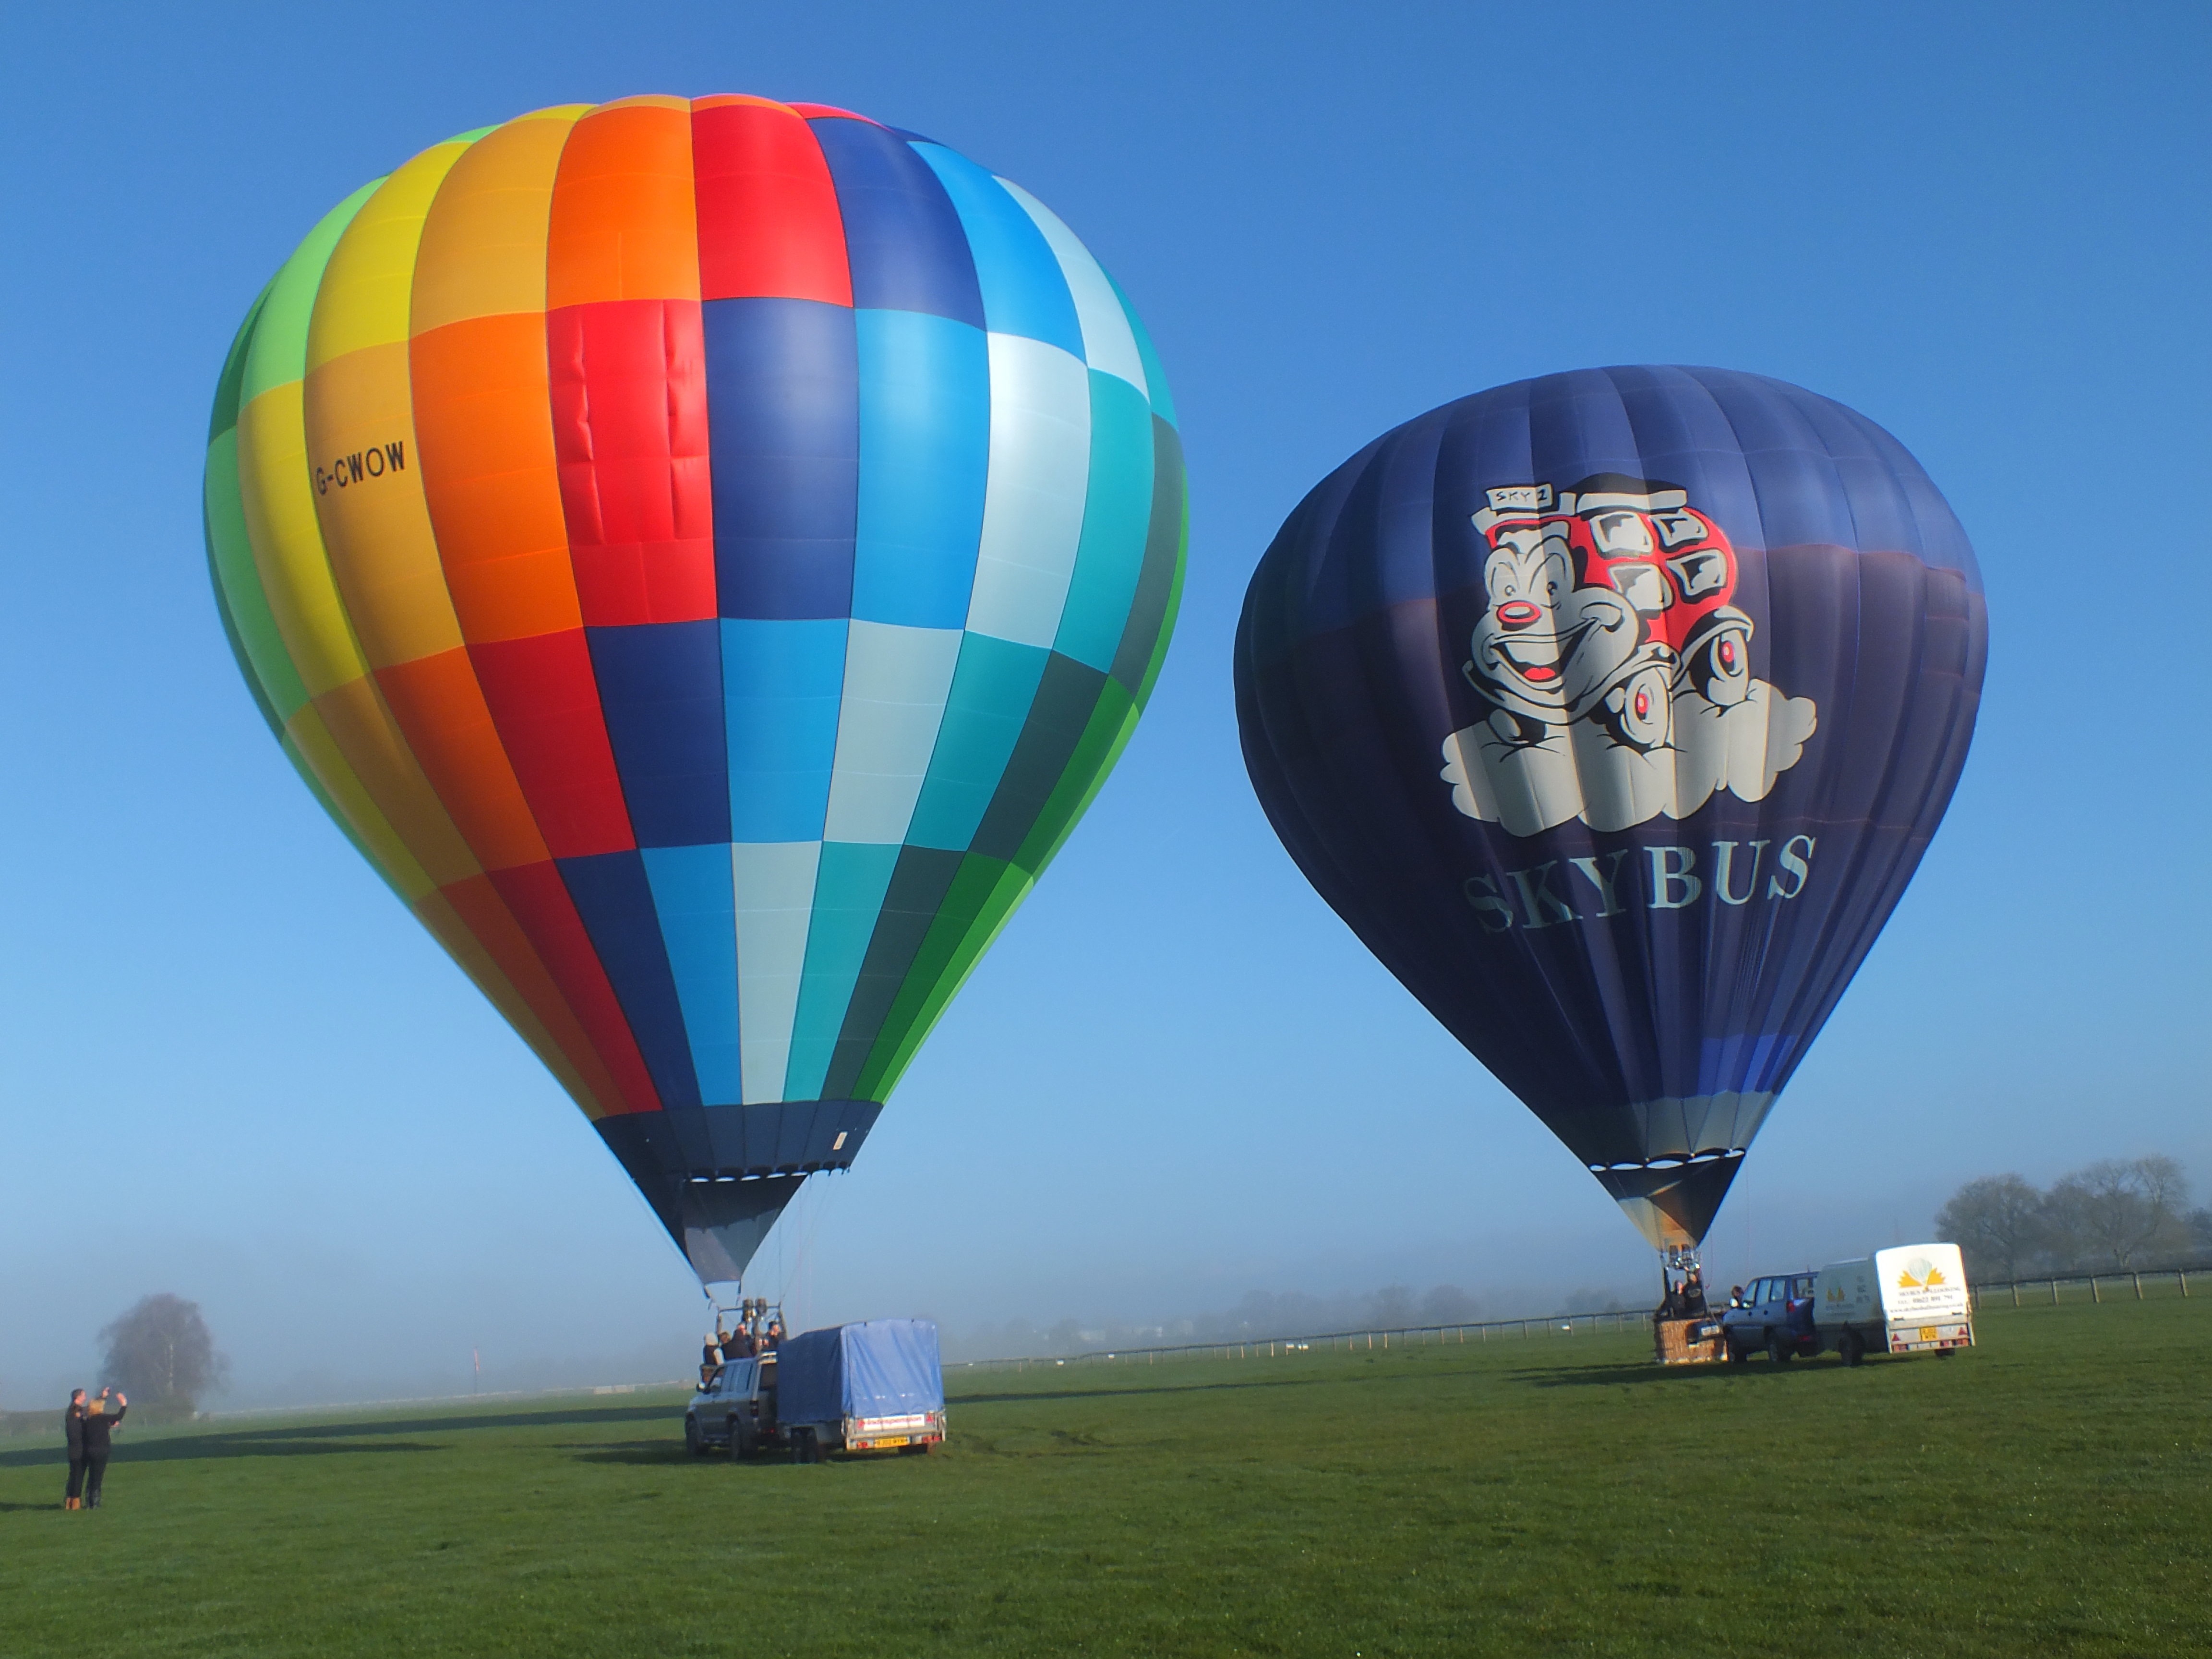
<point x="1911" y="1299"/>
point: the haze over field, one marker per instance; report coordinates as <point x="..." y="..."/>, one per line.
<point x="232" y="1067"/>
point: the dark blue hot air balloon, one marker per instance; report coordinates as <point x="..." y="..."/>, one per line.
<point x="1613" y="710"/>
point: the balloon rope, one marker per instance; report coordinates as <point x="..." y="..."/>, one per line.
<point x="806" y="1242"/>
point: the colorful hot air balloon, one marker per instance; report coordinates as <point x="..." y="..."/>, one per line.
<point x="706" y="554"/>
<point x="1613" y="710"/>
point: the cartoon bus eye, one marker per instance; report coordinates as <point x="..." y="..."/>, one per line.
<point x="1553" y="573"/>
<point x="1643" y="586"/>
<point x="1502" y="578"/>
<point x="1704" y="571"/>
<point x="1620" y="534"/>
<point x="1676" y="528"/>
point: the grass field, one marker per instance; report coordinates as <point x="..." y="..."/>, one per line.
<point x="2049" y="1493"/>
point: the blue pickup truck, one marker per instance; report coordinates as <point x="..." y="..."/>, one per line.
<point x="875" y="1385"/>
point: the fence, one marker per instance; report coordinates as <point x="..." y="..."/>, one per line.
<point x="2125" y="1285"/>
<point x="2096" y="1287"/>
<point x="1406" y="1336"/>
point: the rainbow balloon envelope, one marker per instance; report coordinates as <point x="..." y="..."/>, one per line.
<point x="706" y="554"/>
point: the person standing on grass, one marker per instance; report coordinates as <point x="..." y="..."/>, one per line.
<point x="99" y="1421"/>
<point x="73" y="1428"/>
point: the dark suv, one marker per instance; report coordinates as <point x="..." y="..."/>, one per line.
<point x="1774" y="1313"/>
<point x="736" y="1412"/>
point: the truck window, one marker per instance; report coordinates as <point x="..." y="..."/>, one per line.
<point x="1761" y="1291"/>
<point x="1802" y="1286"/>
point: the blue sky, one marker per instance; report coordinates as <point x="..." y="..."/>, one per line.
<point x="232" y="1067"/>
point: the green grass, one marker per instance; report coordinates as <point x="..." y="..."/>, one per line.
<point x="2049" y="1494"/>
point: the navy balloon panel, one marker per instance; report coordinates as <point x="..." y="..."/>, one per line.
<point x="1613" y="710"/>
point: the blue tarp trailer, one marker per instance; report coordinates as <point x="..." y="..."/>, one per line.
<point x="871" y="1386"/>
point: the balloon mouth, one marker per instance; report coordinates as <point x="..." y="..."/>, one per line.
<point x="1671" y="1200"/>
<point x="1670" y="1162"/>
<point x="718" y="1176"/>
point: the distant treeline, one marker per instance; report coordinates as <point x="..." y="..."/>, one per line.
<point x="1260" y="1316"/>
<point x="2116" y="1216"/>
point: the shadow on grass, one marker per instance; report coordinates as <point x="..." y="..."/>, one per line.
<point x="325" y="1439"/>
<point x="474" y="1420"/>
<point x="658" y="1454"/>
<point x="667" y="1453"/>
<point x="1610" y="1376"/>
<point x="204" y="1446"/>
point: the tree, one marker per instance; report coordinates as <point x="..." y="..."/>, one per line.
<point x="2000" y="1222"/>
<point x="1448" y="1304"/>
<point x="161" y="1353"/>
<point x="2123" y="1213"/>
<point x="1391" y="1308"/>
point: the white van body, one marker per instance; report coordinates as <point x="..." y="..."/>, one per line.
<point x="1910" y="1299"/>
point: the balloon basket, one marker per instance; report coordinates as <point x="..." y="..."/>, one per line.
<point x="1693" y="1341"/>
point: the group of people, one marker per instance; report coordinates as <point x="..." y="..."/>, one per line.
<point x="758" y="1332"/>
<point x="90" y="1426"/>
<point x="1686" y="1300"/>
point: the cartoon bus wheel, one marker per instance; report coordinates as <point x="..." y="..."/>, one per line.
<point x="1639" y="712"/>
<point x="1718" y="662"/>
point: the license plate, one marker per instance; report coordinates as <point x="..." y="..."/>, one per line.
<point x="891" y="1439"/>
<point x="1927" y="1332"/>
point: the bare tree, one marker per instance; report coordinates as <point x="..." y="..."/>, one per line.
<point x="161" y="1352"/>
<point x="2121" y="1213"/>
<point x="2000" y="1222"/>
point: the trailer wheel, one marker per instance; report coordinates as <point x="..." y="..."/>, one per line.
<point x="1850" y="1347"/>
<point x="741" y="1443"/>
<point x="1780" y="1350"/>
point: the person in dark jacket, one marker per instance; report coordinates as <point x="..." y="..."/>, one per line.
<point x="73" y="1427"/>
<point x="99" y="1421"/>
